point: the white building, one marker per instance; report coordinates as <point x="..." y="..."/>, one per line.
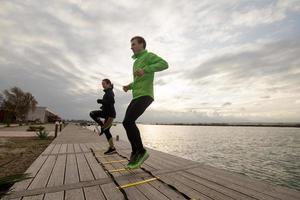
<point x="42" y="114"/>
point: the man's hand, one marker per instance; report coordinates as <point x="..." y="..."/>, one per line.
<point x="139" y="72"/>
<point x="126" y="88"/>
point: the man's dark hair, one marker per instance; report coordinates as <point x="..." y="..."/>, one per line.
<point x="140" y="40"/>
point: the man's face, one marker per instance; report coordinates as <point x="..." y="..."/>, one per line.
<point x="136" y="46"/>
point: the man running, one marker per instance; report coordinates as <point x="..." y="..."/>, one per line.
<point x="144" y="67"/>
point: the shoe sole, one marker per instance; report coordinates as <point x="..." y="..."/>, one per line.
<point x="113" y="152"/>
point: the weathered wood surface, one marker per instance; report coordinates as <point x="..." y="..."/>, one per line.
<point x="68" y="169"/>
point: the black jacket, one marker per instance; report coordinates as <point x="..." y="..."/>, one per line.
<point x="108" y="102"/>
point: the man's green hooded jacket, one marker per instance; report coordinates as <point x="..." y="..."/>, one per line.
<point x="151" y="63"/>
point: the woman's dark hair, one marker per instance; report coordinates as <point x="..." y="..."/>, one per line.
<point x="140" y="40"/>
<point x="108" y="82"/>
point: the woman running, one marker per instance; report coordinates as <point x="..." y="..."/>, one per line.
<point x="108" y="112"/>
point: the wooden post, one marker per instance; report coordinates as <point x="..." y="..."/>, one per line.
<point x="56" y="129"/>
<point x="60" y="126"/>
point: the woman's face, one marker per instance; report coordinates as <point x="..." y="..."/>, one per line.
<point x="105" y="85"/>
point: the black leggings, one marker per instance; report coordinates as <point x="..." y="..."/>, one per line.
<point x="96" y="115"/>
<point x="135" y="109"/>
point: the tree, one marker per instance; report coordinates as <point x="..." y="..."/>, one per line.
<point x="1" y="100"/>
<point x="19" y="102"/>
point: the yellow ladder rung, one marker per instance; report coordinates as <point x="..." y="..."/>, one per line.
<point x="104" y="156"/>
<point x="118" y="170"/>
<point x="114" y="161"/>
<point x="137" y="183"/>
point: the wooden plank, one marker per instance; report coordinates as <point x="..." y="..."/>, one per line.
<point x="56" y="149"/>
<point x="54" y="196"/>
<point x="85" y="173"/>
<point x="95" y="166"/>
<point x="192" y="193"/>
<point x="146" y="189"/>
<point x="89" y="145"/>
<point x="245" y="181"/>
<point x="70" y="148"/>
<point x="63" y="148"/>
<point x="43" y="175"/>
<point x="201" y="188"/>
<point x="75" y="194"/>
<point x="172" y="157"/>
<point x="169" y="159"/>
<point x="150" y="192"/>
<point x="171" y="194"/>
<point x="111" y="192"/>
<point x="227" y="184"/>
<point x="35" y="197"/>
<point x="257" y="193"/>
<point x="92" y="193"/>
<point x="217" y="187"/>
<point x="157" y="163"/>
<point x="71" y="170"/>
<point x="48" y="149"/>
<point x="57" y="175"/>
<point x="83" y="147"/>
<point x="133" y="192"/>
<point x="77" y="148"/>
<point x="32" y="170"/>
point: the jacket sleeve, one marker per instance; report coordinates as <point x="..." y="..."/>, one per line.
<point x="130" y="86"/>
<point x="155" y="64"/>
<point x="100" y="101"/>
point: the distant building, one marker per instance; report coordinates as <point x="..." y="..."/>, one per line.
<point x="42" y="114"/>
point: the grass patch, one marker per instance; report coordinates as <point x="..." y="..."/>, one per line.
<point x="16" y="155"/>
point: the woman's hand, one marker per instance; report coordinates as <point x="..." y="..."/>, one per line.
<point x="99" y="101"/>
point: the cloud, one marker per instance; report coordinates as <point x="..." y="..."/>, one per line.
<point x="217" y="52"/>
<point x="277" y="61"/>
<point x="226" y="104"/>
<point x="265" y="97"/>
<point x="252" y="15"/>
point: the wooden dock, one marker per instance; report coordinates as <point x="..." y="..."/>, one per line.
<point x="74" y="167"/>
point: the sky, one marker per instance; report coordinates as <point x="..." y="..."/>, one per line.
<point x="229" y="60"/>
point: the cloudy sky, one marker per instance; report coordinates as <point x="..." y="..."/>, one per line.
<point x="229" y="60"/>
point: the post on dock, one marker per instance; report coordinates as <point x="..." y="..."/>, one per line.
<point x="56" y="129"/>
<point x="60" y="126"/>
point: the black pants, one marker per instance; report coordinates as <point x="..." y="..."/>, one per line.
<point x="135" y="109"/>
<point x="96" y="115"/>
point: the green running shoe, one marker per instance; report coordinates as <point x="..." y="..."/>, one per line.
<point x="133" y="158"/>
<point x="139" y="160"/>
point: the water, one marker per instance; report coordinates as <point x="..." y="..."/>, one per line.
<point x="266" y="153"/>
